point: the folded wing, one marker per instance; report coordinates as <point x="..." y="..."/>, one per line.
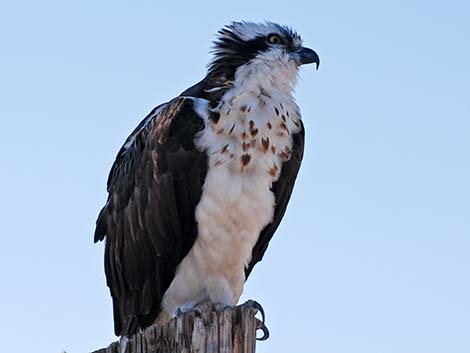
<point x="148" y="221"/>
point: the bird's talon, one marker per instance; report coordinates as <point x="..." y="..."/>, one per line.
<point x="261" y="326"/>
<point x="258" y="307"/>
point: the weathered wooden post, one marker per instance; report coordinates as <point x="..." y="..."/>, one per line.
<point x="208" y="329"/>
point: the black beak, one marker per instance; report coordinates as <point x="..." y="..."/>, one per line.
<point x="308" y="56"/>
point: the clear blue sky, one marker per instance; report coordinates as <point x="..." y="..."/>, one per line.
<point x="373" y="254"/>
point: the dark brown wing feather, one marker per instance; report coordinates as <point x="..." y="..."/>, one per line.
<point x="282" y="190"/>
<point x="154" y="187"/>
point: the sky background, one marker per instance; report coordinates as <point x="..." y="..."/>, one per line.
<point x="373" y="253"/>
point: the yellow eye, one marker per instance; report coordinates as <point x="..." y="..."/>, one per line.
<point x="274" y="39"/>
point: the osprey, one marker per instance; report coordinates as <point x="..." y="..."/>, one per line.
<point x="200" y="186"/>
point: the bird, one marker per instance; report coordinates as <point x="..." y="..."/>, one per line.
<point x="198" y="189"/>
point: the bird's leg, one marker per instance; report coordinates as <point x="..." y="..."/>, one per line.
<point x="219" y="306"/>
<point x="260" y="324"/>
<point x="187" y="307"/>
<point x="192" y="306"/>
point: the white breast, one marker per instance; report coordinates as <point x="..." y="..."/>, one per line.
<point x="246" y="148"/>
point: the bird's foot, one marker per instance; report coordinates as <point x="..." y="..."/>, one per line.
<point x="186" y="308"/>
<point x="178" y="312"/>
<point x="195" y="306"/>
<point x="260" y="324"/>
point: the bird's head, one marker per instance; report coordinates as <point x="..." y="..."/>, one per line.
<point x="246" y="48"/>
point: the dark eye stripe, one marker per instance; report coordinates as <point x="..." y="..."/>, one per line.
<point x="232" y="51"/>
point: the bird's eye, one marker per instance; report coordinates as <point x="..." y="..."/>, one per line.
<point x="274" y="39"/>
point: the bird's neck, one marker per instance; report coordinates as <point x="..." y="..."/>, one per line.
<point x="258" y="83"/>
<point x="258" y="77"/>
<point x="272" y="76"/>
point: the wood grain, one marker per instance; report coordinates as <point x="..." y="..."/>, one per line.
<point x="209" y="328"/>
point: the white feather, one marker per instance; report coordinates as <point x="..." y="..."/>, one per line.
<point x="237" y="202"/>
<point x="251" y="30"/>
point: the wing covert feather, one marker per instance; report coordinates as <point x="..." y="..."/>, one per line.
<point x="148" y="221"/>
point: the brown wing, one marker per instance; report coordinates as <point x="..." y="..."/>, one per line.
<point x="282" y="190"/>
<point x="148" y="220"/>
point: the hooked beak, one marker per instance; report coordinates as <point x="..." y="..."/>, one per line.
<point x="307" y="56"/>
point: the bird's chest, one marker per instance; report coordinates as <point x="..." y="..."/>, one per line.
<point x="246" y="146"/>
<point x="251" y="135"/>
